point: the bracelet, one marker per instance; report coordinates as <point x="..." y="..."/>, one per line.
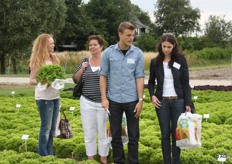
<point x="140" y="99"/>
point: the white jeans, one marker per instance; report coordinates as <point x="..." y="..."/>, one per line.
<point x="93" y="118"/>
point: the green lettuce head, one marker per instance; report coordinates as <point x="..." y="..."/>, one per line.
<point x="48" y="73"/>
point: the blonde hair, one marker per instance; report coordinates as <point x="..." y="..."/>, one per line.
<point x="40" y="53"/>
<point x="125" y="25"/>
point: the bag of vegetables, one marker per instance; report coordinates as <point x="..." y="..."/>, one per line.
<point x="188" y="131"/>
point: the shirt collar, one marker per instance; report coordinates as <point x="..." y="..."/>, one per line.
<point x="132" y="47"/>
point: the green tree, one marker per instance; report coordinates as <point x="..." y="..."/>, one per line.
<point x="78" y="25"/>
<point x="23" y="20"/>
<point x="190" y="43"/>
<point x="176" y="16"/>
<point x="218" y="31"/>
<point x="147" y="42"/>
<point x="106" y="16"/>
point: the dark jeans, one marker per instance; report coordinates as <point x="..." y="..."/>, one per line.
<point x="49" y="110"/>
<point x="168" y="115"/>
<point x="116" y="110"/>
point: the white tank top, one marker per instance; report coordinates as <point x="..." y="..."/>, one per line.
<point x="168" y="87"/>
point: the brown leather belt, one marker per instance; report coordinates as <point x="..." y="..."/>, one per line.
<point x="170" y="98"/>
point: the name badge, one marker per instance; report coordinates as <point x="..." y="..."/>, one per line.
<point x="130" y="61"/>
<point x="176" y="65"/>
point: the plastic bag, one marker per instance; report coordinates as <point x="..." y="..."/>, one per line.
<point x="58" y="84"/>
<point x="124" y="131"/>
<point x="42" y="87"/>
<point x="188" y="131"/>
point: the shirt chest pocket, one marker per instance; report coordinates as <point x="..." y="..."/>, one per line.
<point x="131" y="63"/>
<point x="115" y="64"/>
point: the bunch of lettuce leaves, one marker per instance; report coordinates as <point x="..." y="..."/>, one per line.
<point x="48" y="73"/>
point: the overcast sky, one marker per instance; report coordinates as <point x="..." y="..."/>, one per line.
<point x="207" y="7"/>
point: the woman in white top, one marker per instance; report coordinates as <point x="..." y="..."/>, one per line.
<point x="48" y="101"/>
<point x="92" y="114"/>
<point x="170" y="93"/>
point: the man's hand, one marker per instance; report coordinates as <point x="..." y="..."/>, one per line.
<point x="105" y="104"/>
<point x="187" y="109"/>
<point x="138" y="109"/>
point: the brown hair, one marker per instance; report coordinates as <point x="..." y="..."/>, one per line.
<point x="99" y="39"/>
<point x="125" y="25"/>
<point x="40" y="53"/>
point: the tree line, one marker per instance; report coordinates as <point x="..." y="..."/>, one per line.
<point x="72" y="21"/>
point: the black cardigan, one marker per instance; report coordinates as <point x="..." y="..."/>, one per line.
<point x="180" y="78"/>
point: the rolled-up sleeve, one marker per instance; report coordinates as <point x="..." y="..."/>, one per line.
<point x="104" y="64"/>
<point x="140" y="66"/>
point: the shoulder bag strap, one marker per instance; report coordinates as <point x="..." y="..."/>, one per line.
<point x="63" y="113"/>
<point x="85" y="60"/>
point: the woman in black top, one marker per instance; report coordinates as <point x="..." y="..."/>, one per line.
<point x="170" y="92"/>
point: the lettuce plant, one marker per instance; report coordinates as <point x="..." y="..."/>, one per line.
<point x="48" y="73"/>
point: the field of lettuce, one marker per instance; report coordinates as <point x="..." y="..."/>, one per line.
<point x="19" y="116"/>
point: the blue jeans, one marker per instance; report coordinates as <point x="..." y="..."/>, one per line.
<point x="168" y="115"/>
<point x="117" y="110"/>
<point x="48" y="110"/>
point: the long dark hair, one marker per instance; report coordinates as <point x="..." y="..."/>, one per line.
<point x="175" y="54"/>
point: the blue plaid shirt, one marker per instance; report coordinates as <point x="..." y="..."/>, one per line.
<point x="122" y="71"/>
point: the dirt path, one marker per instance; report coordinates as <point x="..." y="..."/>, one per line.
<point x="212" y="74"/>
<point x="217" y="76"/>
